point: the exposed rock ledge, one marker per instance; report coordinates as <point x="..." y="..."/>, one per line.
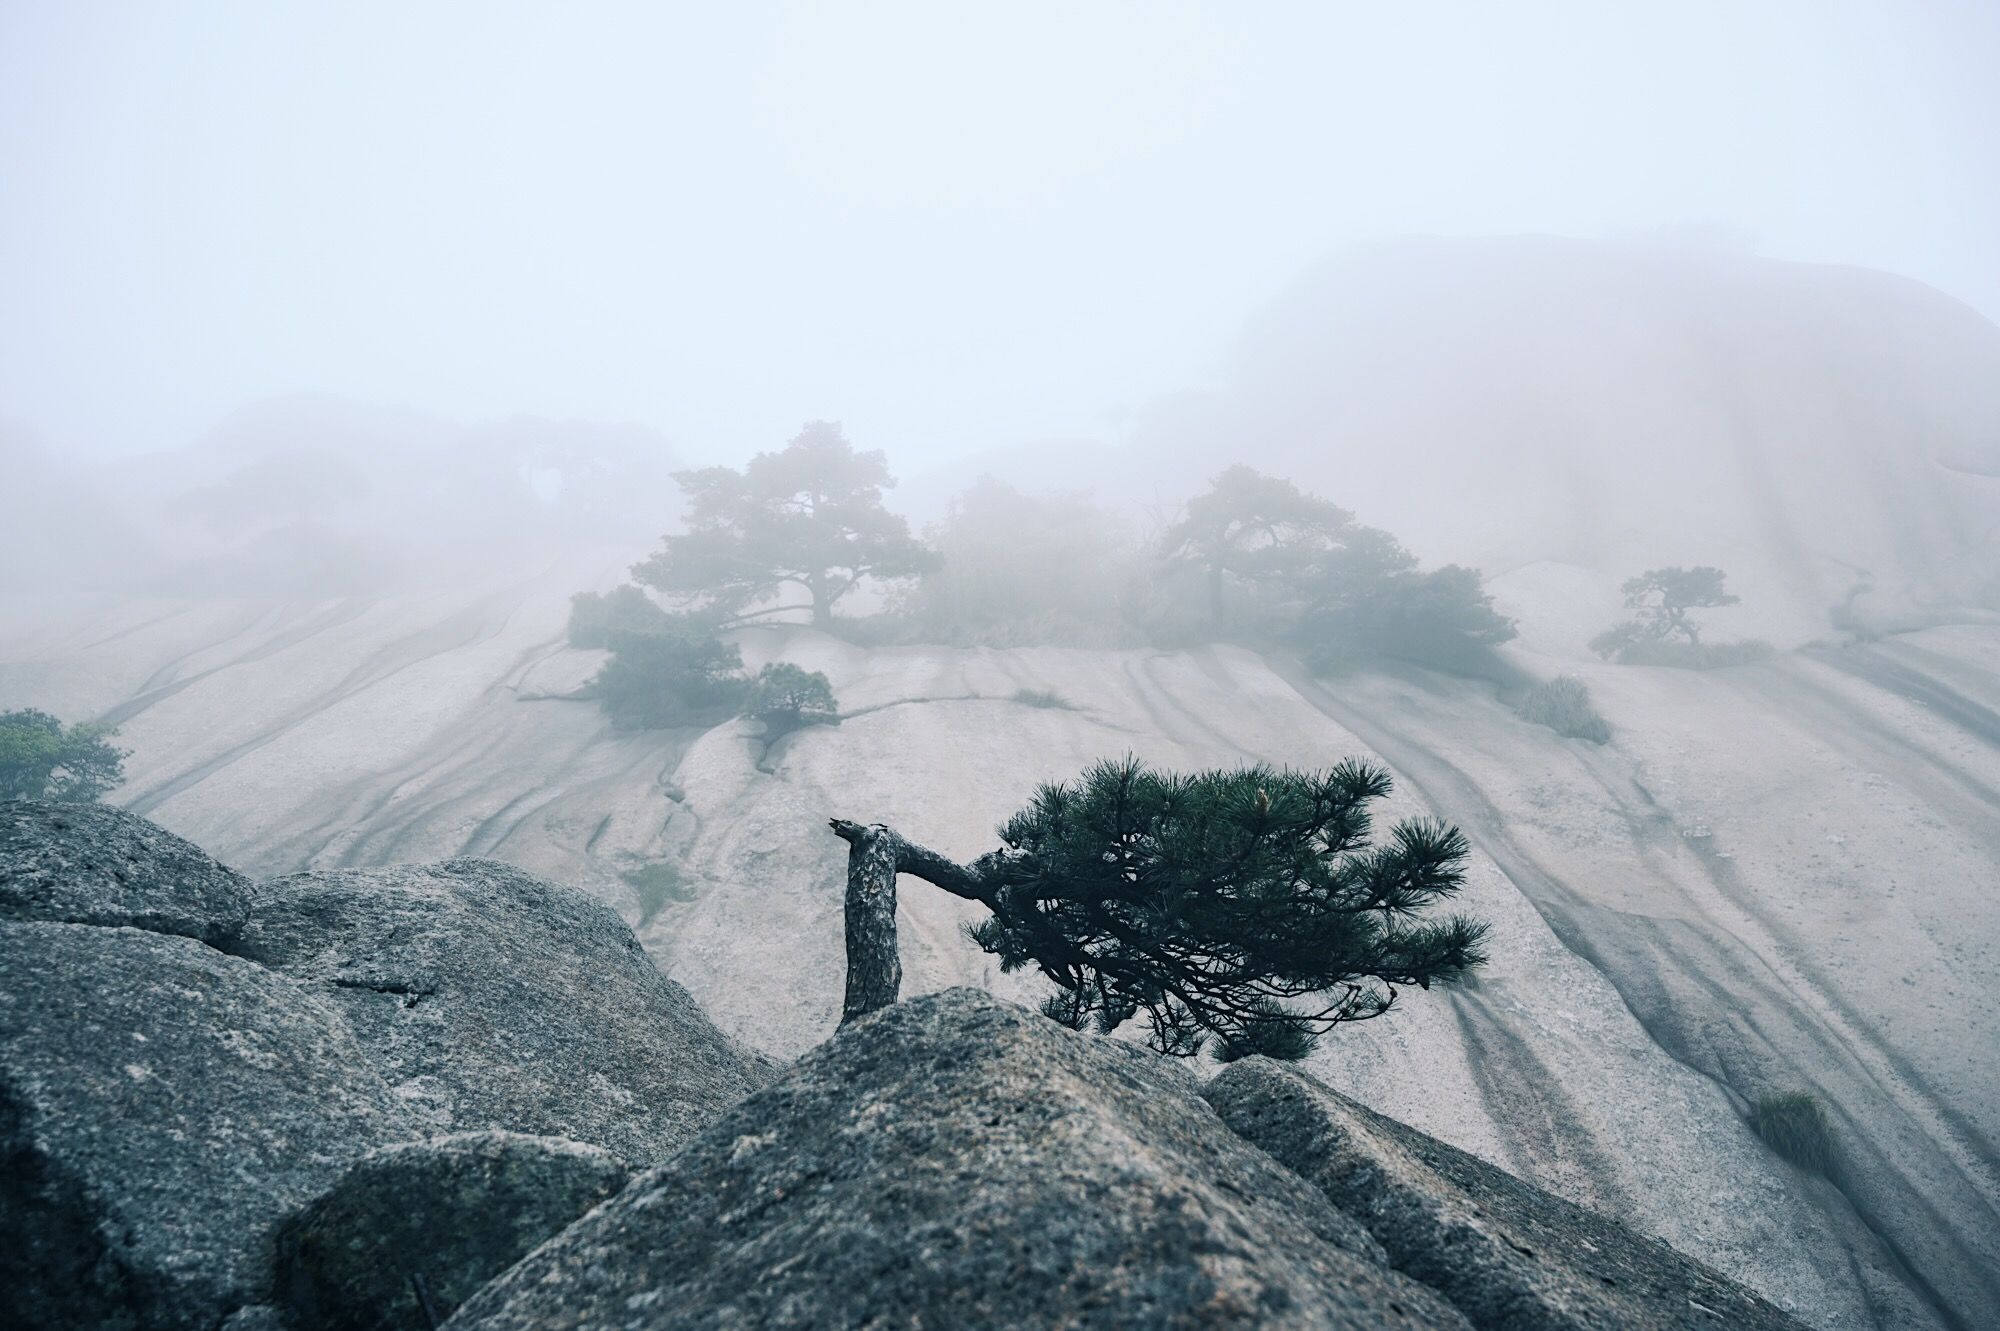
<point x="192" y="1137"/>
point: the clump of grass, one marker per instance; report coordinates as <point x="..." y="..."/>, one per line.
<point x="1795" y="1125"/>
<point x="1563" y="705"/>
<point x="1044" y="698"/>
<point x="657" y="884"/>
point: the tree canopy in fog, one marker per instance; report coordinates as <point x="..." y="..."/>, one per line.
<point x="1663" y="632"/>
<point x="810" y="514"/>
<point x="1014" y="567"/>
<point x="1280" y="565"/>
<point x="1253" y="529"/>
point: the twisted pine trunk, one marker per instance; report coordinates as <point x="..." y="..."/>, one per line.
<point x="875" y="855"/>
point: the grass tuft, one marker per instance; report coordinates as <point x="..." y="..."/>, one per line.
<point x="1795" y="1125"/>
<point x="1563" y="705"/>
<point x="1044" y="698"/>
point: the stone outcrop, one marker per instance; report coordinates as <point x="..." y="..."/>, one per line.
<point x="187" y="1060"/>
<point x="1507" y="1255"/>
<point x="959" y="1162"/>
<point x="162" y="1105"/>
<point x="441" y="1217"/>
<point x="262" y="1139"/>
<point x="89" y="864"/>
<point x="493" y="999"/>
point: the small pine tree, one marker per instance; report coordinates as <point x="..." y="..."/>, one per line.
<point x="786" y="697"/>
<point x="1243" y="911"/>
<point x="1663" y="597"/>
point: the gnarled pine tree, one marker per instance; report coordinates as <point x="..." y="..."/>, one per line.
<point x="1244" y="908"/>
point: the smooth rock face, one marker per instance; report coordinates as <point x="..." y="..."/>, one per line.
<point x="452" y="1212"/>
<point x="492" y="999"/>
<point x="89" y="864"/>
<point x="161" y="1106"/>
<point x="1509" y="1256"/>
<point x="956" y="1162"/>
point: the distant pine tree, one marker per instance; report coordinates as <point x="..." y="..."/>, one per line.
<point x="1244" y="910"/>
<point x="810" y="515"/>
<point x="42" y="759"/>
<point x="786" y="697"/>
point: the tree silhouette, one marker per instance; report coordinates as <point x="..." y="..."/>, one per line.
<point x="1253" y="528"/>
<point x="810" y="514"/>
<point x="1663" y="597"/>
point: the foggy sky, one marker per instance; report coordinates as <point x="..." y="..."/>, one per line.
<point x="949" y="228"/>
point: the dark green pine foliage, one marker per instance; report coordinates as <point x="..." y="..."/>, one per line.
<point x="1243" y="911"/>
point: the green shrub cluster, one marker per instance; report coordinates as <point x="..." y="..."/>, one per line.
<point x="43" y="759"/>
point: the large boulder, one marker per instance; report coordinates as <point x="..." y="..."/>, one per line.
<point x="89" y="864"/>
<point x="956" y="1162"/>
<point x="441" y="1217"/>
<point x="1509" y="1256"/>
<point x="162" y="1105"/>
<point x="493" y="999"/>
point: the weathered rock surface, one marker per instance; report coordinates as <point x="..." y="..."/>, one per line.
<point x="452" y="1213"/>
<point x="957" y="1162"/>
<point x="1509" y="1256"/>
<point x="493" y="999"/>
<point x="162" y="1105"/>
<point x="89" y="864"/>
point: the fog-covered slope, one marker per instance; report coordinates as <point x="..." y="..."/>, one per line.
<point x="1581" y="410"/>
<point x="1775" y="878"/>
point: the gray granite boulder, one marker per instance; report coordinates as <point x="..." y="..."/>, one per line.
<point x="162" y="1105"/>
<point x="90" y="864"/>
<point x="956" y="1162"/>
<point x="490" y="998"/>
<point x="1507" y="1255"/>
<point x="430" y="1221"/>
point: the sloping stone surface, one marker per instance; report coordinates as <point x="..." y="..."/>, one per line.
<point x="493" y="999"/>
<point x="161" y="1106"/>
<point x="1509" y="1256"/>
<point x="89" y="864"/>
<point x="956" y="1162"/>
<point x="452" y="1213"/>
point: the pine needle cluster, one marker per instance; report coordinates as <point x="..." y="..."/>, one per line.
<point x="1242" y="911"/>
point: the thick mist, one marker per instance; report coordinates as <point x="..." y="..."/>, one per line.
<point x="951" y="231"/>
